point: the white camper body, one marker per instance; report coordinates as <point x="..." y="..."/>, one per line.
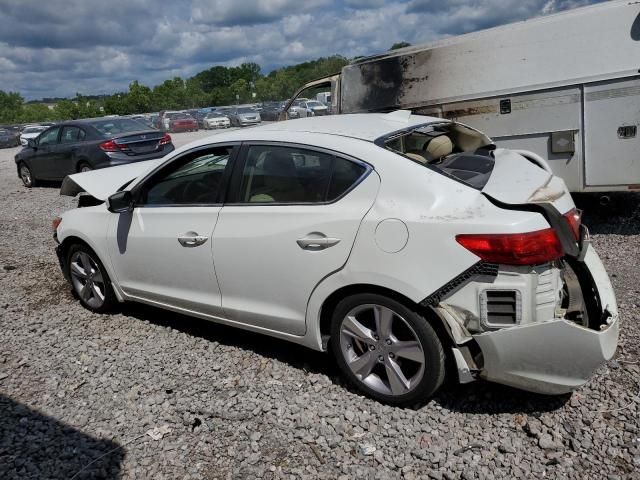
<point x="565" y="86"/>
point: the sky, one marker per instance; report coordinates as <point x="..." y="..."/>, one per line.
<point x="51" y="48"/>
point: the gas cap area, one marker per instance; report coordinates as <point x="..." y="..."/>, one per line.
<point x="392" y="235"/>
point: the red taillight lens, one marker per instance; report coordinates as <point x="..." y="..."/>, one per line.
<point x="574" y="219"/>
<point x="112" y="146"/>
<point x="166" y="139"/>
<point x="56" y="223"/>
<point x="533" y="248"/>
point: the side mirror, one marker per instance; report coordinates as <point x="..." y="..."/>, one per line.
<point x="31" y="143"/>
<point x="120" y="202"/>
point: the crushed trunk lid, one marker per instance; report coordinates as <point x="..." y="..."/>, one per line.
<point x="520" y="178"/>
<point x="105" y="182"/>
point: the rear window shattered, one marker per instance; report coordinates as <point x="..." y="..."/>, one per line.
<point x="455" y="150"/>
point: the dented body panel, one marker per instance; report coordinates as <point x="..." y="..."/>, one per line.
<point x="543" y="351"/>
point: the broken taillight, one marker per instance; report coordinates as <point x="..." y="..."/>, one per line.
<point x="574" y="219"/>
<point x="532" y="248"/>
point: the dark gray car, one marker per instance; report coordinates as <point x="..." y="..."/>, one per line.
<point x="83" y="145"/>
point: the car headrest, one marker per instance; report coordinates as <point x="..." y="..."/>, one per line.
<point x="439" y="147"/>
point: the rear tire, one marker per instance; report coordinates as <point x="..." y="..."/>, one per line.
<point x="84" y="167"/>
<point x="386" y="350"/>
<point x="26" y="175"/>
<point x="89" y="279"/>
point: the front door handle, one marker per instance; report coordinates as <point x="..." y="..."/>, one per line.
<point x="317" y="242"/>
<point x="192" y="239"/>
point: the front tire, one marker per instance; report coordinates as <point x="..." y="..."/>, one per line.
<point x="89" y="279"/>
<point x="386" y="350"/>
<point x="26" y="175"/>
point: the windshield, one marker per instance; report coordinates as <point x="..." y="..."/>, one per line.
<point x="244" y="110"/>
<point x="34" y="129"/>
<point x="314" y="104"/>
<point x="113" y="126"/>
<point x="214" y="115"/>
<point x="456" y="150"/>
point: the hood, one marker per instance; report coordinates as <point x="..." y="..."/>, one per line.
<point x="520" y="177"/>
<point x="103" y="183"/>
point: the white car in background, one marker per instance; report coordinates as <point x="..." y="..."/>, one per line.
<point x="215" y="120"/>
<point x="31" y="132"/>
<point x="397" y="242"/>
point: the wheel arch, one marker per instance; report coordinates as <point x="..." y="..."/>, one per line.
<point x="73" y="239"/>
<point x="331" y="301"/>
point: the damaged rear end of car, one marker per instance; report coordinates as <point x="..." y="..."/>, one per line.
<point x="537" y="311"/>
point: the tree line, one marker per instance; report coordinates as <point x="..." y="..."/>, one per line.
<point x="216" y="86"/>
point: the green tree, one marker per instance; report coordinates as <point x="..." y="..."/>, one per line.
<point x="398" y="45"/>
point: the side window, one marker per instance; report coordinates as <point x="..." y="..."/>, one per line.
<point x="49" y="137"/>
<point x="345" y="175"/>
<point x="275" y="174"/>
<point x="195" y="179"/>
<point x="71" y="135"/>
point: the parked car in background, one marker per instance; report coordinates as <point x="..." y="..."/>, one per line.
<point x="179" y="122"/>
<point x="243" y="116"/>
<point x="215" y="120"/>
<point x="8" y="138"/>
<point x="83" y="145"/>
<point x="312" y="108"/>
<point x="272" y="110"/>
<point x="31" y="132"/>
<point x="410" y="245"/>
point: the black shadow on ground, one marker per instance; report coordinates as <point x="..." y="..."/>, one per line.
<point x="620" y="215"/>
<point x="34" y="446"/>
<point x="474" y="398"/>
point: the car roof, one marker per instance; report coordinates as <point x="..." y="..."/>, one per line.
<point x="363" y="126"/>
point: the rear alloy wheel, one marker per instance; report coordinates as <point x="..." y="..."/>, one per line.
<point x="89" y="279"/>
<point x="26" y="176"/>
<point x="387" y="350"/>
<point x="84" y="167"/>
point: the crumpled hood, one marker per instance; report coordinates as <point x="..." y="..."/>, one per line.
<point x="104" y="182"/>
<point x="516" y="180"/>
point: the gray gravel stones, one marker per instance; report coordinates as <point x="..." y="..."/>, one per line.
<point x="77" y="388"/>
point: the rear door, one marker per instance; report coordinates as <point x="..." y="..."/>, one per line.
<point x="71" y="140"/>
<point x="612" y="143"/>
<point x="161" y="252"/>
<point x="291" y="220"/>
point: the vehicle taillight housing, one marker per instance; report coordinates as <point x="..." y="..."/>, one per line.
<point x="112" y="146"/>
<point x="56" y="223"/>
<point x="532" y="248"/>
<point x="165" y="140"/>
<point x="574" y="219"/>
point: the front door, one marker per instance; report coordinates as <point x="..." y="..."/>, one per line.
<point x="45" y="154"/>
<point x="161" y="251"/>
<point x="291" y="221"/>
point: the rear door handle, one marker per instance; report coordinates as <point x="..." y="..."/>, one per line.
<point x="192" y="239"/>
<point x="317" y="242"/>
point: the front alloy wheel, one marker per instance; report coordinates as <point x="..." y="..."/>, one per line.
<point x="387" y="350"/>
<point x="89" y="279"/>
<point x="26" y="176"/>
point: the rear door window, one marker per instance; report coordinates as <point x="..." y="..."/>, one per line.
<point x="72" y="135"/>
<point x="275" y="174"/>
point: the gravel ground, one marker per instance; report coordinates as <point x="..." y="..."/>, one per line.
<point x="149" y="394"/>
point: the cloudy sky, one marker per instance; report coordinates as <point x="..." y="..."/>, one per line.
<point x="60" y="47"/>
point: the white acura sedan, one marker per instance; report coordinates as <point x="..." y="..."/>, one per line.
<point x="397" y="242"/>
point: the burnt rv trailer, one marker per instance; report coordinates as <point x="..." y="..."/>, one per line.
<point x="565" y="86"/>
